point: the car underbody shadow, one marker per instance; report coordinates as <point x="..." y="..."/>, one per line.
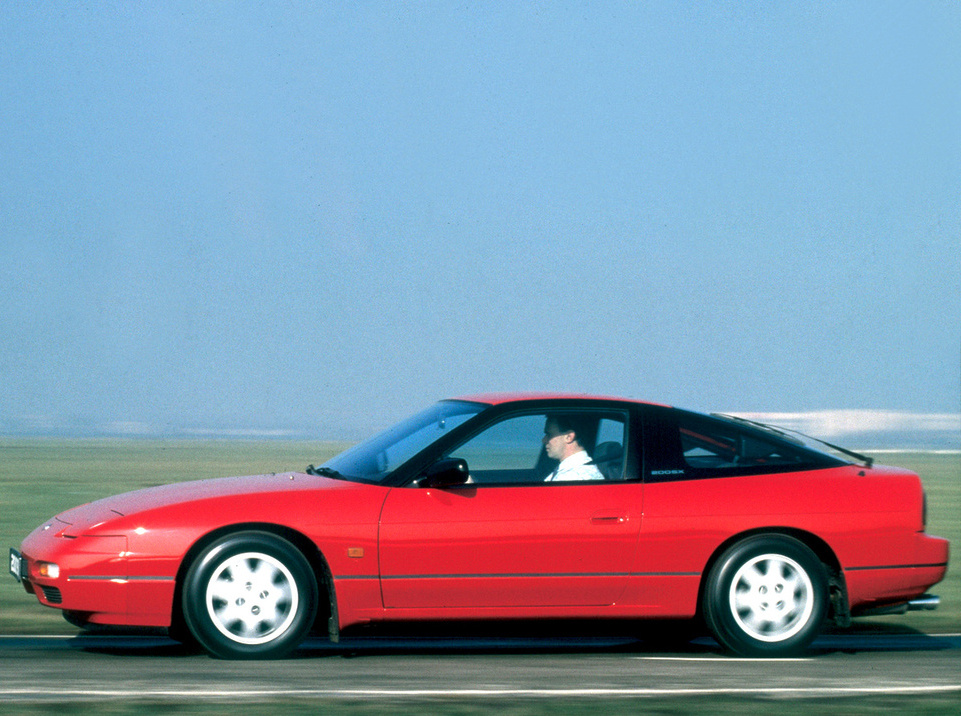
<point x="866" y="635"/>
<point x="512" y="637"/>
<point x="681" y="638"/>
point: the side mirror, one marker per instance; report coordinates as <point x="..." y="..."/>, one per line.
<point x="446" y="473"/>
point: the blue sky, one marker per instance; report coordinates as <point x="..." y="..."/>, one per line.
<point x="316" y="218"/>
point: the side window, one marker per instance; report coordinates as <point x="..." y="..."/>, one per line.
<point x="518" y="449"/>
<point x="610" y="447"/>
<point x="690" y="447"/>
<point x="512" y="446"/>
<point x="716" y="445"/>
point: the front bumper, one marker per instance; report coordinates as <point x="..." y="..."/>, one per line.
<point x="94" y="579"/>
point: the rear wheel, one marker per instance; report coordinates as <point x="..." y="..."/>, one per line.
<point x="766" y="596"/>
<point x="250" y="595"/>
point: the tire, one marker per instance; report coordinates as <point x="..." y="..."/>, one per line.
<point x="766" y="596"/>
<point x="180" y="632"/>
<point x="250" y="595"/>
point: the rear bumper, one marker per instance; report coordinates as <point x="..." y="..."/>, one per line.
<point x="904" y="580"/>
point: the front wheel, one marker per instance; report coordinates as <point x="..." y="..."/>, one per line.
<point x="766" y="596"/>
<point x="250" y="595"/>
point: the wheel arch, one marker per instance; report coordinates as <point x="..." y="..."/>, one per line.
<point x="326" y="609"/>
<point x="838" y="609"/>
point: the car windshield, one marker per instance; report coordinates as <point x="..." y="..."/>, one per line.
<point x="376" y="457"/>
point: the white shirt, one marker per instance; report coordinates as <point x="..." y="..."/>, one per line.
<point x="576" y="467"/>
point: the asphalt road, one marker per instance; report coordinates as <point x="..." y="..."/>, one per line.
<point x="95" y="667"/>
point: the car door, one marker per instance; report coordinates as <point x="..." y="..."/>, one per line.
<point x="509" y="539"/>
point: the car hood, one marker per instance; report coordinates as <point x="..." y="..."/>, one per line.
<point x="150" y="498"/>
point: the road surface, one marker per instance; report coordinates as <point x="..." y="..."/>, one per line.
<point x="97" y="667"/>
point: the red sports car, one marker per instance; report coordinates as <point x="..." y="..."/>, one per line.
<point x="507" y="507"/>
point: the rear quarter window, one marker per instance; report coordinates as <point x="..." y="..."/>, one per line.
<point x="685" y="446"/>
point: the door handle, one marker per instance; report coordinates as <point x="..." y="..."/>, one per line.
<point x="608" y="519"/>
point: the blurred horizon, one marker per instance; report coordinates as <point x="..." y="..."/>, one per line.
<point x="853" y="429"/>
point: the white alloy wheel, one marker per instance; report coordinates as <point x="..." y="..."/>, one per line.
<point x="250" y="595"/>
<point x="766" y="595"/>
<point x="771" y="597"/>
<point x="252" y="598"/>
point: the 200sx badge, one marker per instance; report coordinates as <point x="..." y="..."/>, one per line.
<point x="16" y="564"/>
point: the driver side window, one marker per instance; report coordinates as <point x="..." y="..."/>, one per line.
<point x="508" y="451"/>
<point x="513" y="450"/>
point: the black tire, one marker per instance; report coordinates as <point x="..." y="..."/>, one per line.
<point x="180" y="632"/>
<point x="766" y="596"/>
<point x="250" y="595"/>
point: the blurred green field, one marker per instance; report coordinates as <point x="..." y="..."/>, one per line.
<point x="40" y="478"/>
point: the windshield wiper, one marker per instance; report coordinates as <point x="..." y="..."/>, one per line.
<point x="324" y="472"/>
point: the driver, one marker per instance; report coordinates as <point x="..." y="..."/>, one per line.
<point x="561" y="443"/>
